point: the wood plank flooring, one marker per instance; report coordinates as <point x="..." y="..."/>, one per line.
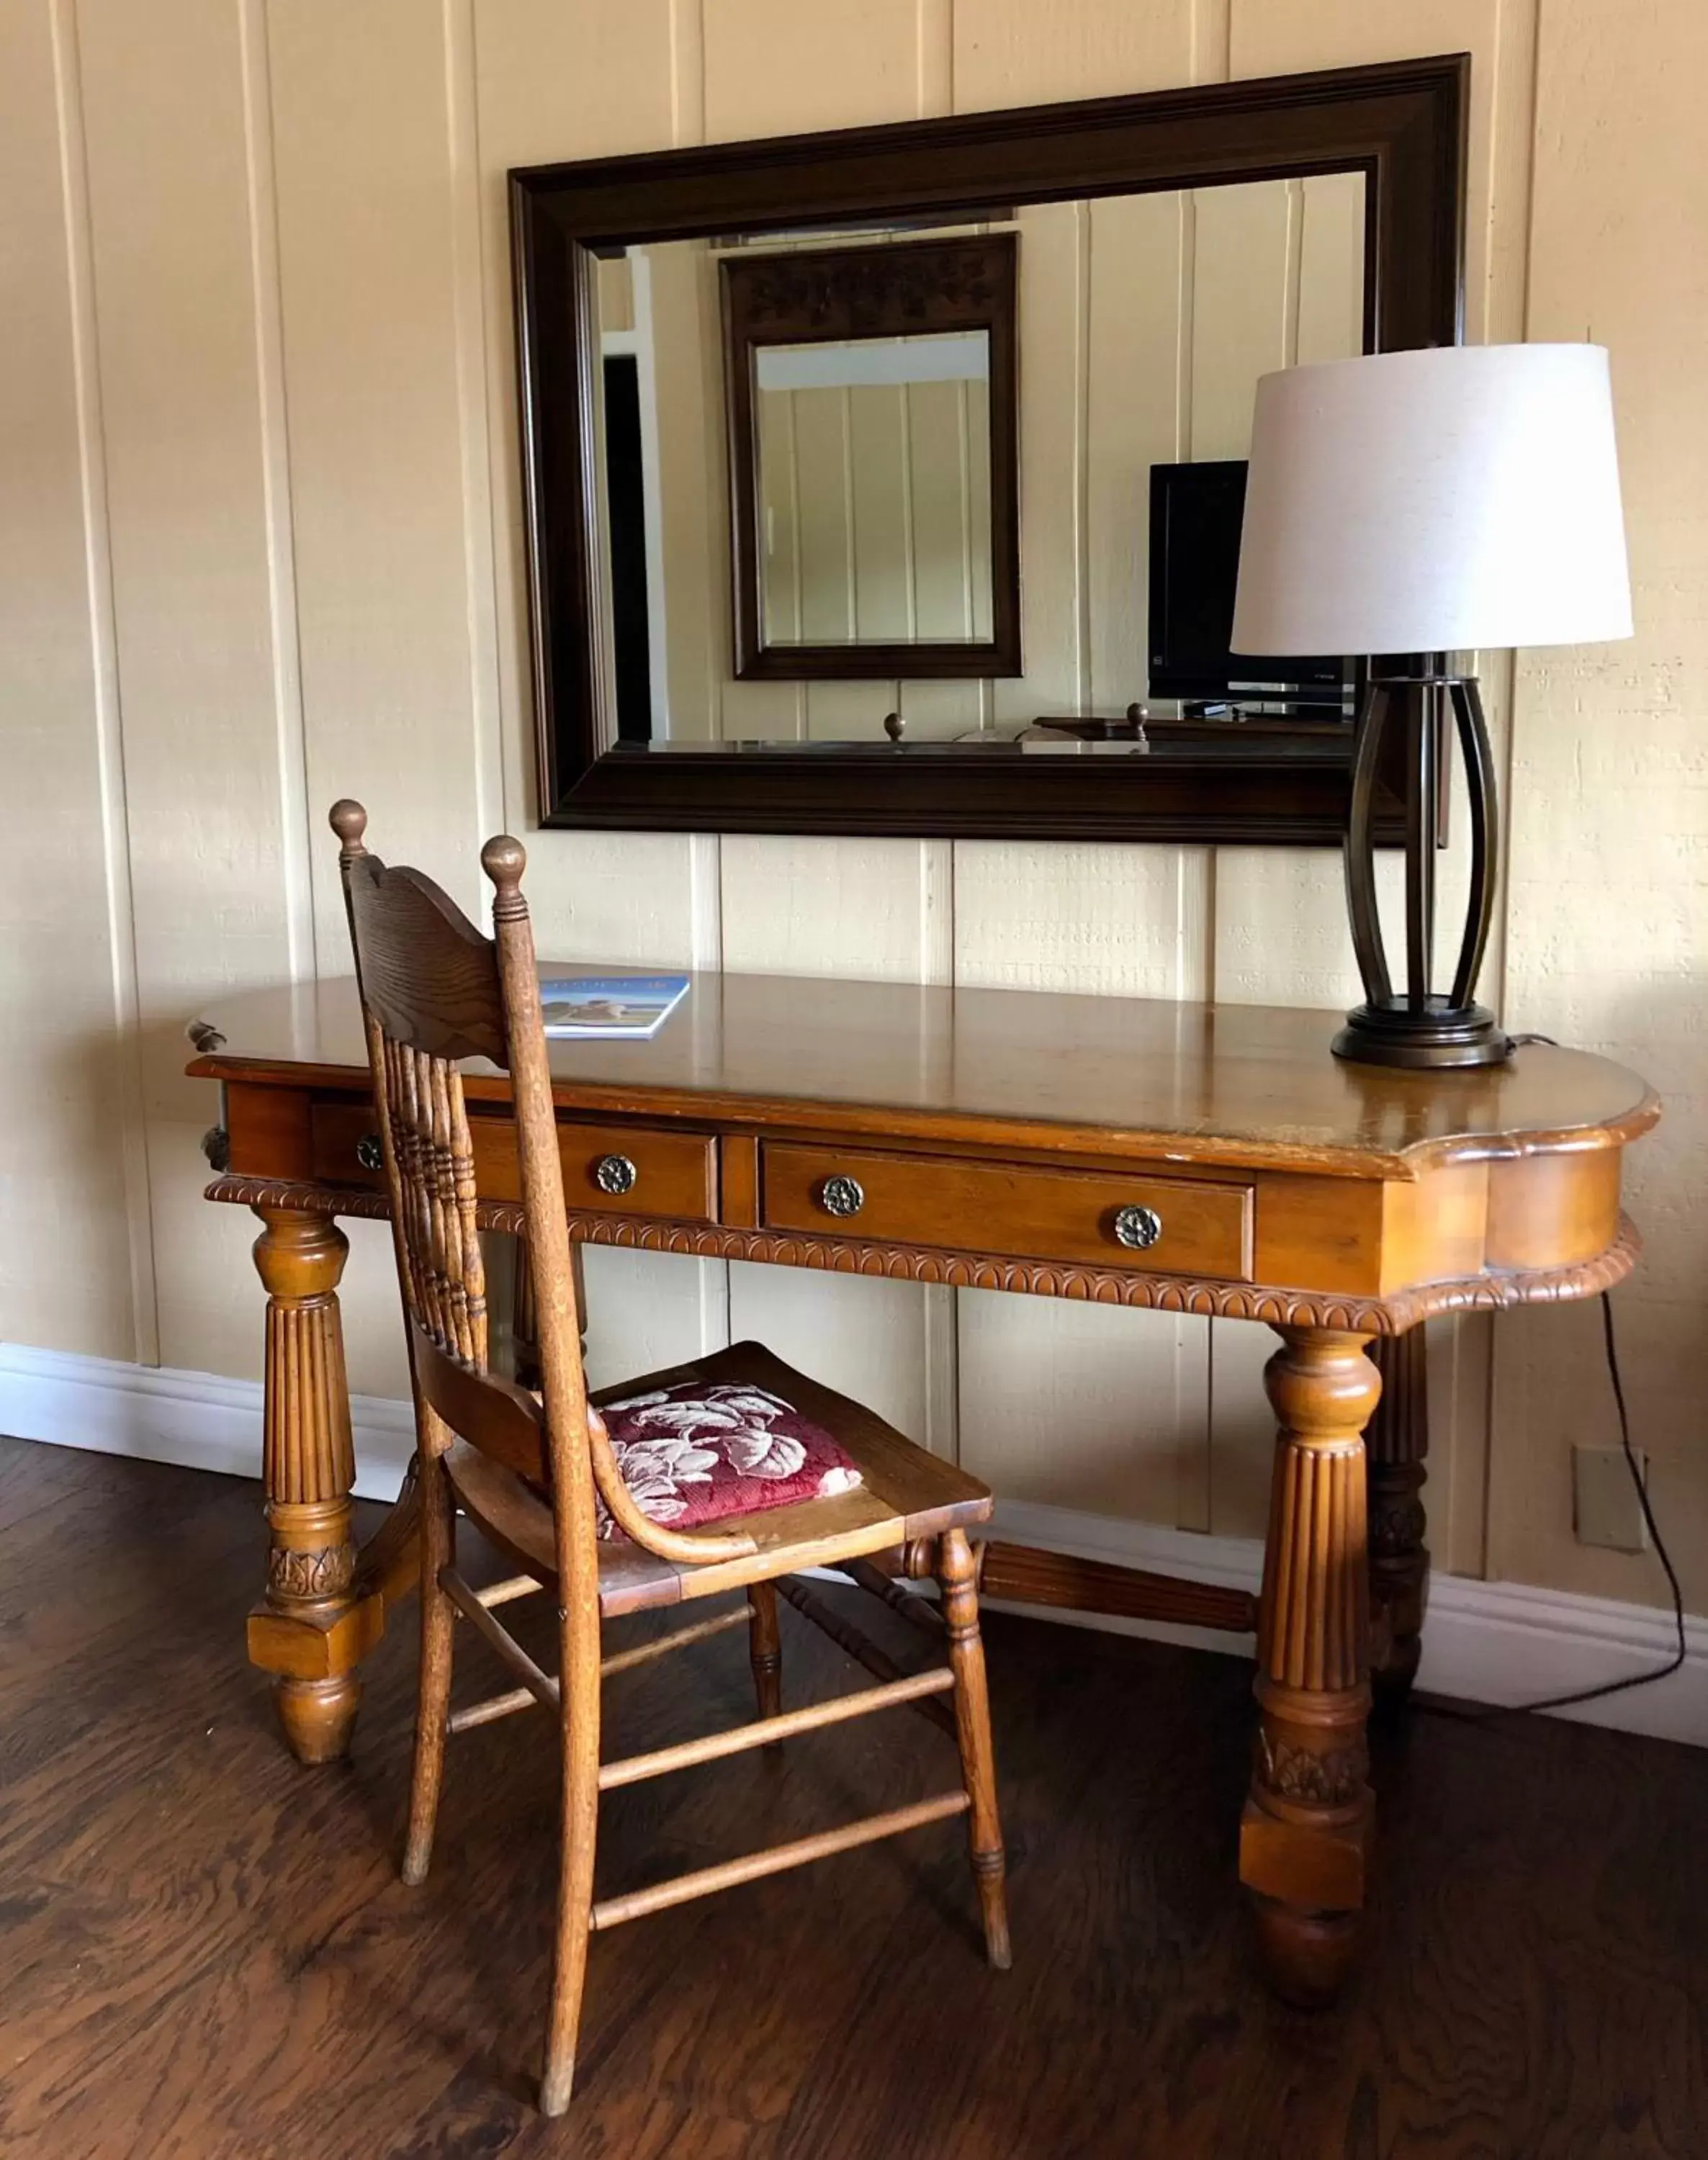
<point x="204" y="1950"/>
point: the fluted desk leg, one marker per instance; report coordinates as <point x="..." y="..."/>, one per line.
<point x="301" y="1631"/>
<point x="1397" y="1441"/>
<point x="1305" y="1833"/>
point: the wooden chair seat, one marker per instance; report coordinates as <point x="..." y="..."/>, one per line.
<point x="904" y="1493"/>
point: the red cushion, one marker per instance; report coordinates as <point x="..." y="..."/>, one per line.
<point x="698" y="1452"/>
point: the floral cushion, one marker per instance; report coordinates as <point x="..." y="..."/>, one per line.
<point x="693" y="1453"/>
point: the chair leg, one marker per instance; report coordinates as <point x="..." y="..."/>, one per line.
<point x="765" y="1648"/>
<point x="437" y="1614"/>
<point x="958" y="1572"/>
<point x="578" y="1832"/>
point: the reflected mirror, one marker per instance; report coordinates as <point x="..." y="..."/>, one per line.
<point x="873" y="460"/>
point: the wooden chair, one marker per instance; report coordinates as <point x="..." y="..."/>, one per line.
<point x="532" y="1470"/>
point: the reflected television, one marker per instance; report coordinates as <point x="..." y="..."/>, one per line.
<point x="1195" y="512"/>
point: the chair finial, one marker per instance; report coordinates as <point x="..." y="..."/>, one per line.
<point x="349" y="821"/>
<point x="504" y="860"/>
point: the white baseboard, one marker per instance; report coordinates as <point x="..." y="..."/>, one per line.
<point x="1486" y="1642"/>
<point x="1483" y="1642"/>
<point x="198" y="1420"/>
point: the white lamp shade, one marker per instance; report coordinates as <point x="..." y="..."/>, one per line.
<point x="1434" y="502"/>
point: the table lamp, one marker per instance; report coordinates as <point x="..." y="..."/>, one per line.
<point x="1429" y="503"/>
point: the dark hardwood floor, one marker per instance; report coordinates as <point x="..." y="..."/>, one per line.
<point x="204" y="1950"/>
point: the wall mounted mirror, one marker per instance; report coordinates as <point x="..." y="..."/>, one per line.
<point x="889" y="480"/>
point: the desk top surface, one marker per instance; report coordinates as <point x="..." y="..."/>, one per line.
<point x="1232" y="1084"/>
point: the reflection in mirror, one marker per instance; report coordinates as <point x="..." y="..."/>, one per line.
<point x="875" y="489"/>
<point x="1144" y="323"/>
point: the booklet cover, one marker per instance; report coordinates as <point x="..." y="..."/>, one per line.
<point x="630" y="1007"/>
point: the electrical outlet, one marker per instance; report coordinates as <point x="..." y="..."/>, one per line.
<point x="1605" y="1510"/>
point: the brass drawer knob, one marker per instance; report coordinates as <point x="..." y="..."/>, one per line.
<point x="842" y="1195"/>
<point x="1138" y="1228"/>
<point x="614" y="1173"/>
<point x="369" y="1151"/>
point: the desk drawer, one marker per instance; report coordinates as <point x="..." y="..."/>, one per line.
<point x="1170" y="1226"/>
<point x="623" y="1170"/>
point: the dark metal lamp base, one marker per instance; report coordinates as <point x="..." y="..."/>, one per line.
<point x="1437" y="1038"/>
<point x="1427" y="1030"/>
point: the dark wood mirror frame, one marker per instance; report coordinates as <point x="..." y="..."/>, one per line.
<point x="1403" y="126"/>
<point x="912" y="287"/>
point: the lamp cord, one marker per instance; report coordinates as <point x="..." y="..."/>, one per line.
<point x="1484" y="1714"/>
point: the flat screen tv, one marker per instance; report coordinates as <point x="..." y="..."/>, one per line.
<point x="1195" y="512"/>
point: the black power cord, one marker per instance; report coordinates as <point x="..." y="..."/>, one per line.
<point x="1482" y="1716"/>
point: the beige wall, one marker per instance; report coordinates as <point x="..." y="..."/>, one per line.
<point x="259" y="546"/>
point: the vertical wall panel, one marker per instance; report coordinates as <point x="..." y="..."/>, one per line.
<point x="687" y="376"/>
<point x="1241" y="281"/>
<point x="824" y="479"/>
<point x="948" y="508"/>
<point x="64" y="1270"/>
<point x="859" y="899"/>
<point x="1306" y="955"/>
<point x="367" y="267"/>
<point x="867" y="1337"/>
<point x="1608" y="937"/>
<point x="1089" y="1407"/>
<point x="1014" y="52"/>
<point x="780" y="509"/>
<point x="1281" y="934"/>
<point x="1129" y="1387"/>
<point x="361" y="141"/>
<point x="1331" y="298"/>
<point x="1102" y="918"/>
<point x="863" y="908"/>
<point x="771" y="66"/>
<point x="883" y="536"/>
<point x="1113" y="921"/>
<point x="1280" y="37"/>
<point x="1138" y="414"/>
<point x="213" y="756"/>
<point x="775" y="68"/>
<point x="555" y="82"/>
<point x="1055" y="255"/>
<point x="1103" y="353"/>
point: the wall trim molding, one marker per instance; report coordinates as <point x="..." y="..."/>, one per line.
<point x="1486" y="1642"/>
<point x="159" y="1413"/>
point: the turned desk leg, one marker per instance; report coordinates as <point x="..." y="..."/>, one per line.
<point x="1305" y="1834"/>
<point x="309" y="1466"/>
<point x="524" y="1322"/>
<point x="1397" y="1441"/>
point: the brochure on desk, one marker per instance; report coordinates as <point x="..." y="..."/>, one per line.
<point x="621" y="1008"/>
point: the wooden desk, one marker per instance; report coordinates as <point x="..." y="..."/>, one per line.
<point x="1195" y="1159"/>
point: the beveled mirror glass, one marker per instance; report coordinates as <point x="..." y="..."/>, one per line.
<point x="772" y="528"/>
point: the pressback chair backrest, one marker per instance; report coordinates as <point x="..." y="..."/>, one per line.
<point x="434" y="991"/>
